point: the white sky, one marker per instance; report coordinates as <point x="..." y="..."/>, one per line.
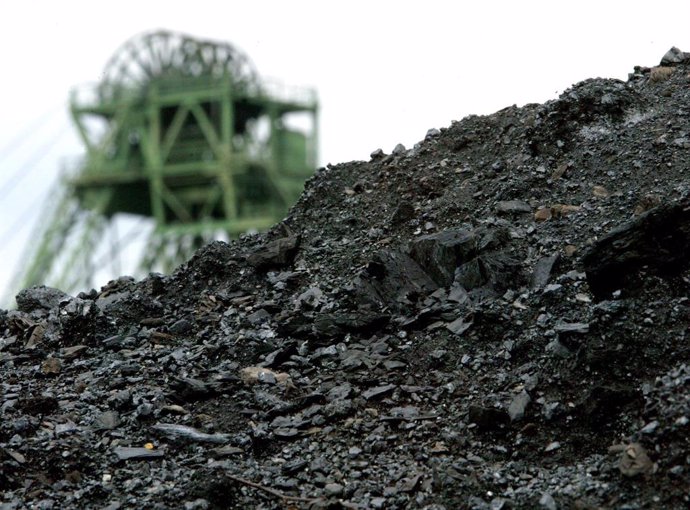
<point x="386" y="71"/>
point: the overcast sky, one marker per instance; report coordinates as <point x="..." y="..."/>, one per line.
<point x="386" y="71"/>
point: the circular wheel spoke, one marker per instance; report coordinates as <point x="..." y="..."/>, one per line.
<point x="168" y="55"/>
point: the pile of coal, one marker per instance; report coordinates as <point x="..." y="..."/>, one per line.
<point x="495" y="318"/>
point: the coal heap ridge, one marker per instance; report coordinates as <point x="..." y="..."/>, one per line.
<point x="496" y="318"/>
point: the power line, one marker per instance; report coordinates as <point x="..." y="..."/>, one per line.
<point x="27" y="168"/>
<point x="19" y="139"/>
<point x="20" y="222"/>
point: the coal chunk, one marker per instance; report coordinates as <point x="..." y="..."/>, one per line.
<point x="604" y="403"/>
<point x="441" y="253"/>
<point x="489" y="419"/>
<point x="658" y="241"/>
<point x="40" y="298"/>
<point x="393" y="278"/>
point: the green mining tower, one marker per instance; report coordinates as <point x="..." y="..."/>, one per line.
<point x="183" y="131"/>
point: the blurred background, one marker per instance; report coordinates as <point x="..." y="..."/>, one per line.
<point x="385" y="72"/>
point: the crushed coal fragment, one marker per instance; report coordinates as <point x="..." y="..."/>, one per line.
<point x="656" y="241"/>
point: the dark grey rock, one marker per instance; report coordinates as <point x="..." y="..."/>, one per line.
<point x="399" y="150"/>
<point x="259" y="316"/>
<point x="377" y="154"/>
<point x="403" y="213"/>
<point x="441" y="253"/>
<point x="488" y="419"/>
<point x="657" y="240"/>
<point x="393" y="278"/>
<point x="40" y="298"/>
<point x="181" y="327"/>
<point x="674" y="56"/>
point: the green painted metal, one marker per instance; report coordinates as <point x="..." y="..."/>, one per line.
<point x="183" y="131"/>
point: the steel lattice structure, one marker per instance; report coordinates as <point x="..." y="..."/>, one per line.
<point x="183" y="131"/>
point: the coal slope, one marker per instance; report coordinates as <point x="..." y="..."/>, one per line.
<point x="496" y="318"/>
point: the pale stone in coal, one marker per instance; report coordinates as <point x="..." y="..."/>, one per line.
<point x="378" y="502"/>
<point x="459" y="326"/>
<point x="276" y="254"/>
<point x="378" y="391"/>
<point x="175" y="431"/>
<point x="542" y="271"/>
<point x="197" y="504"/>
<point x="674" y="56"/>
<point x="650" y="427"/>
<point x="555" y="445"/>
<point x="513" y="207"/>
<point x="354" y="451"/>
<point x="137" y="453"/>
<point x="68" y="427"/>
<point x="107" y="421"/>
<point x="519" y="404"/>
<point x="288" y="433"/>
<point x="267" y="377"/>
<point x="310" y="298"/>
<point x="635" y="461"/>
<point x="547" y="502"/>
<point x="226" y="451"/>
<point x="568" y="328"/>
<point x="334" y="489"/>
<point x="393" y="364"/>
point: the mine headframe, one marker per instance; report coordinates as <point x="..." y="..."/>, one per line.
<point x="185" y="132"/>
